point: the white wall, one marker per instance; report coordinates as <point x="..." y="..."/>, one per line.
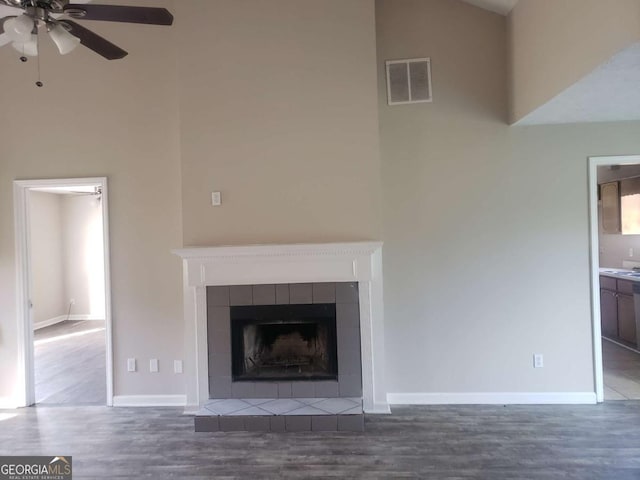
<point x="83" y="254"/>
<point x="486" y="255"/>
<point x="48" y="295"/>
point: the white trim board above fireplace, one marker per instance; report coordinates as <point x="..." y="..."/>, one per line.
<point x="277" y="264"/>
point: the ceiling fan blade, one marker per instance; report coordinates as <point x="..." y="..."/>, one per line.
<point x="118" y="13"/>
<point x="93" y="41"/>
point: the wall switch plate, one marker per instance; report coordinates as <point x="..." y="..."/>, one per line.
<point x="538" y="360"/>
<point x="631" y="251"/>
<point x="153" y="365"/>
<point x="177" y="366"/>
<point x="216" y="199"/>
<point x="131" y="364"/>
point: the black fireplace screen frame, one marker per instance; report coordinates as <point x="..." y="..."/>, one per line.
<point x="321" y="314"/>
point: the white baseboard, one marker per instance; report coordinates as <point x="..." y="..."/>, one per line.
<point x="62" y="318"/>
<point x="191" y="409"/>
<point x="379" y="408"/>
<point x="86" y="317"/>
<point x="8" y="403"/>
<point x="149" y="400"/>
<point x="493" y="398"/>
<point x="49" y="322"/>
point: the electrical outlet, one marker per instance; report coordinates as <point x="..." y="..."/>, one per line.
<point x="131" y="364"/>
<point x="177" y="366"/>
<point x="153" y="365"/>
<point x="538" y="360"/>
<point x="216" y="199"/>
<point x="72" y="301"/>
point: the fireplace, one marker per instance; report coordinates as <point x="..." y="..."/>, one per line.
<point x="284" y="342"/>
<point x="217" y="278"/>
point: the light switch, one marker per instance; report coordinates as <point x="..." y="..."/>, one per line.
<point x="216" y="199"/>
<point x="538" y="360"/>
<point x="153" y="365"/>
<point x="131" y="364"/>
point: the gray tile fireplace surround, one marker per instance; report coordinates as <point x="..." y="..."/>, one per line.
<point x="221" y="385"/>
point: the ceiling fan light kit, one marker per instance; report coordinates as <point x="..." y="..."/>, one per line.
<point x="21" y="29"/>
<point x="29" y="48"/>
<point x="65" y="42"/>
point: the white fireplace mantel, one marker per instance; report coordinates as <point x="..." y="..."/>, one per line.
<point x="272" y="264"/>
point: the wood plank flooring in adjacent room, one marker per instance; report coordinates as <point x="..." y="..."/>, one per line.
<point x="70" y="363"/>
<point x="621" y="372"/>
<point x="497" y="442"/>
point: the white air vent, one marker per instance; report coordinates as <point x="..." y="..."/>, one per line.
<point x="409" y="81"/>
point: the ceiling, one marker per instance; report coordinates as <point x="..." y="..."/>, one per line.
<point x="608" y="94"/>
<point x="9" y="11"/>
<point x="503" y="7"/>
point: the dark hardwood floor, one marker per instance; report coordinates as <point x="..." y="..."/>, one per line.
<point x="70" y="363"/>
<point x="435" y="442"/>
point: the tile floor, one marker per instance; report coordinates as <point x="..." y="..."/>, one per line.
<point x="282" y="406"/>
<point x="621" y="372"/>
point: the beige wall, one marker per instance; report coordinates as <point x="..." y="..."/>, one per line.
<point x="48" y="294"/>
<point x="614" y="249"/>
<point x="119" y="119"/>
<point x="486" y="233"/>
<point x="278" y="112"/>
<point x="486" y="252"/>
<point x="553" y="44"/>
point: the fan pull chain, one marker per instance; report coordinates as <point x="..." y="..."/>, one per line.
<point x="38" y="83"/>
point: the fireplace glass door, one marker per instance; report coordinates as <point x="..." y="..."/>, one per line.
<point x="284" y="342"/>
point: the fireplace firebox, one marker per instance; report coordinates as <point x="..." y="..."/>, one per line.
<point x="284" y="342"/>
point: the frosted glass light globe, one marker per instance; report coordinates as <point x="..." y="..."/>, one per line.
<point x="19" y="29"/>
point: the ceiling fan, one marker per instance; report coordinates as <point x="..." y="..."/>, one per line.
<point x="21" y="29"/>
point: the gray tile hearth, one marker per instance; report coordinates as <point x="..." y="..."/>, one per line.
<point x="281" y="414"/>
<point x="282" y="406"/>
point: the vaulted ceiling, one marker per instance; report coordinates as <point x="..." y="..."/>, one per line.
<point x="503" y="7"/>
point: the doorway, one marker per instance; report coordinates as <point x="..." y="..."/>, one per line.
<point x="615" y="253"/>
<point x="62" y="254"/>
